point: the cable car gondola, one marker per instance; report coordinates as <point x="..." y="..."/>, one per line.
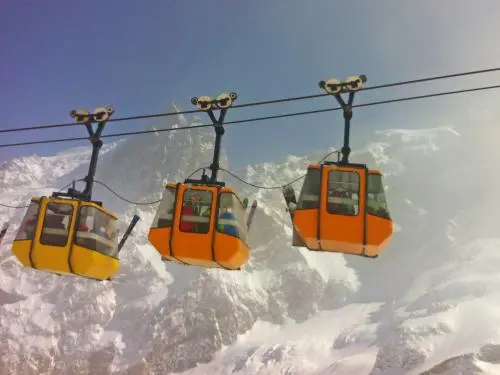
<point x="202" y="222"/>
<point x="341" y="206"/>
<point x="68" y="233"/>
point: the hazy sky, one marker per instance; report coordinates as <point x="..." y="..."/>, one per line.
<point x="141" y="56"/>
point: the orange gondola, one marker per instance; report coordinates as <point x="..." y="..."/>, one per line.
<point x="342" y="205"/>
<point x="202" y="222"/>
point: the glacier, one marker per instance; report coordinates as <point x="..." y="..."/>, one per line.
<point x="427" y="305"/>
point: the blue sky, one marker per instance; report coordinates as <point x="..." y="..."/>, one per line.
<point x="141" y="56"/>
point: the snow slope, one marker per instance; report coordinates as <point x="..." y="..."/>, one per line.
<point x="428" y="305"/>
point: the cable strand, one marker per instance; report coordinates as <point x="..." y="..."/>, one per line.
<point x="254" y="119"/>
<point x="139" y="203"/>
<point x="274" y="187"/>
<point x="61" y="189"/>
<point x="259" y="103"/>
<point x="125" y="199"/>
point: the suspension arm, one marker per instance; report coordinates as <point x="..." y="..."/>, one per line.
<point x="223" y="102"/>
<point x="335" y="88"/>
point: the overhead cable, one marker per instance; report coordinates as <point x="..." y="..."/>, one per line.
<point x="253" y="119"/>
<point x="253" y="104"/>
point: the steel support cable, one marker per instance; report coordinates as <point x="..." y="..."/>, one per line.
<point x="403" y="99"/>
<point x="254" y="104"/>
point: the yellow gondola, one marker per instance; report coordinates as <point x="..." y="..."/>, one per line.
<point x="68" y="233"/>
<point x="202" y="222"/>
<point x="342" y="205"/>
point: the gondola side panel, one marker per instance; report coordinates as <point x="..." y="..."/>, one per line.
<point x="305" y="217"/>
<point x="21" y="246"/>
<point x="161" y="228"/>
<point x="230" y="251"/>
<point x="379" y="232"/>
<point x="230" y="247"/>
<point x="93" y="253"/>
<point x="305" y="222"/>
<point x="51" y="248"/>
<point x="379" y="223"/>
<point x="94" y="264"/>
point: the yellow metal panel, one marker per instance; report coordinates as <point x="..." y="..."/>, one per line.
<point x="21" y="250"/>
<point x="93" y="264"/>
<point x="51" y="258"/>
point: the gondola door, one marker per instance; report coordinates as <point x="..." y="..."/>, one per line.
<point x="342" y="209"/>
<point x="192" y="235"/>
<point x="53" y="235"/>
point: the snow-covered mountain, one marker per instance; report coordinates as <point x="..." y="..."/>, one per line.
<point x="428" y="305"/>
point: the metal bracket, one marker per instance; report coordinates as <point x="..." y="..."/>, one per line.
<point x="100" y="116"/>
<point x="335" y="88"/>
<point x="207" y="104"/>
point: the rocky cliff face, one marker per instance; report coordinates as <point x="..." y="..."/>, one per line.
<point x="288" y="311"/>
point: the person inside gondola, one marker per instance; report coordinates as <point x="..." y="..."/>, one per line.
<point x="227" y="222"/>
<point x="200" y="208"/>
<point x="82" y="227"/>
<point x="202" y="211"/>
<point x="342" y="203"/>
<point x="196" y="204"/>
<point x="188" y="211"/>
<point x="99" y="227"/>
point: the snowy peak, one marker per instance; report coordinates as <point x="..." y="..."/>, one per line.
<point x="289" y="310"/>
<point x="38" y="171"/>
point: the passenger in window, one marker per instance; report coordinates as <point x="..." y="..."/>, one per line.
<point x="101" y="226"/>
<point x="204" y="212"/>
<point x="82" y="227"/>
<point x="343" y="202"/>
<point x="196" y="204"/>
<point x="98" y="229"/>
<point x="227" y="219"/>
<point x="186" y="225"/>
